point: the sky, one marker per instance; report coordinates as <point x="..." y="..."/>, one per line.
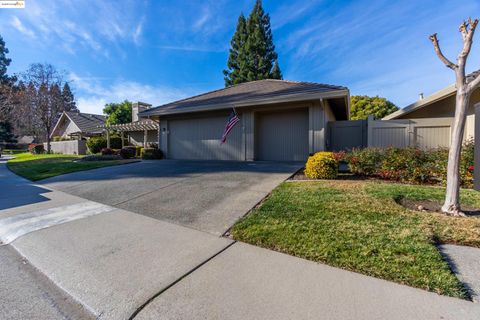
<point x="158" y="51"/>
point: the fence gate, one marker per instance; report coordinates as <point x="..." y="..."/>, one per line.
<point x="346" y="135"/>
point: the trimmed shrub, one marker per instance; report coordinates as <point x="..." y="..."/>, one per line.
<point x="128" y="152"/>
<point x="412" y="165"/>
<point x="36" y="148"/>
<point x="151" y="154"/>
<point x="364" y="162"/>
<point x="138" y="151"/>
<point x="96" y="144"/>
<point x="95" y="157"/>
<point x="106" y="151"/>
<point x="322" y="165"/>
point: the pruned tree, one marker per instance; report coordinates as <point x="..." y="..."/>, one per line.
<point x="118" y="113"/>
<point x="465" y="85"/>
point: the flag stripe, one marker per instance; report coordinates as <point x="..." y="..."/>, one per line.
<point x="233" y="119"/>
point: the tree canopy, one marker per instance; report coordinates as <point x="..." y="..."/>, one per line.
<point x="252" y="53"/>
<point x="68" y="98"/>
<point x="363" y="106"/>
<point x="4" y="61"/>
<point x="118" y="113"/>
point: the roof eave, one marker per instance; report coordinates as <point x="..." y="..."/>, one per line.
<point x="437" y="96"/>
<point x="291" y="98"/>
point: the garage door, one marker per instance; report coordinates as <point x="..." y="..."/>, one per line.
<point x="199" y="138"/>
<point x="282" y="136"/>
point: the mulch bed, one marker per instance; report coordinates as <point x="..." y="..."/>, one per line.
<point x="433" y="206"/>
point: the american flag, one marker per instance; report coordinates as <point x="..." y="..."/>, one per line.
<point x="231" y="122"/>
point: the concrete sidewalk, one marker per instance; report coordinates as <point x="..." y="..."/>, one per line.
<point x="121" y="265"/>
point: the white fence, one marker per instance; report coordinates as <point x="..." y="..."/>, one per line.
<point x="68" y="147"/>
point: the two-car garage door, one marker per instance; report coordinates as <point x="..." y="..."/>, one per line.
<point x="279" y="136"/>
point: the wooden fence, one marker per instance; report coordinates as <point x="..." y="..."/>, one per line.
<point x="423" y="133"/>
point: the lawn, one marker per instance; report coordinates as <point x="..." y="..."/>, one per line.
<point x="42" y="166"/>
<point x="358" y="226"/>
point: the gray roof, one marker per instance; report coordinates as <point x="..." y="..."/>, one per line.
<point x="87" y="122"/>
<point x="144" y="124"/>
<point x="249" y="93"/>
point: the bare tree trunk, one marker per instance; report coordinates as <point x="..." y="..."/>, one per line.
<point x="452" y="197"/>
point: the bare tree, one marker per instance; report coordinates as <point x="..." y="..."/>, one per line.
<point x="43" y="98"/>
<point x="465" y="85"/>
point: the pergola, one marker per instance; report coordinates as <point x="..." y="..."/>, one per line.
<point x="142" y="125"/>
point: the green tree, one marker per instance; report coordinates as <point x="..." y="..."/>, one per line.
<point x="363" y="106"/>
<point x="4" y="62"/>
<point x="252" y="53"/>
<point x="118" y="113"/>
<point x="6" y="133"/>
<point x="232" y="74"/>
<point x="68" y="98"/>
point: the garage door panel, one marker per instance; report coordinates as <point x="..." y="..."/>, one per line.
<point x="282" y="136"/>
<point x="199" y="138"/>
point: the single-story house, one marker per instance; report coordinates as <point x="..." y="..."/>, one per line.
<point x="441" y="104"/>
<point x="78" y="125"/>
<point x="279" y="120"/>
<point x="140" y="132"/>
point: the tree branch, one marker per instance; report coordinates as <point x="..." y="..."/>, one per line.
<point x="475" y="82"/>
<point x="439" y="53"/>
<point x="467" y="28"/>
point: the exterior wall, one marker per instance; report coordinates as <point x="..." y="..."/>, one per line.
<point x="65" y="128"/>
<point x="202" y="136"/>
<point x="68" y="147"/>
<point x="329" y="117"/>
<point x="136" y="137"/>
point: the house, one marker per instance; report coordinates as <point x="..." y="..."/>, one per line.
<point x="78" y="125"/>
<point x="140" y="132"/>
<point x="441" y="104"/>
<point x="279" y="120"/>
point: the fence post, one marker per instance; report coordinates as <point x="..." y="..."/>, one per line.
<point x="476" y="162"/>
<point x="370" y="120"/>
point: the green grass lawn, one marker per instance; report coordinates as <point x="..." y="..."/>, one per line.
<point x="357" y="225"/>
<point x="42" y="166"/>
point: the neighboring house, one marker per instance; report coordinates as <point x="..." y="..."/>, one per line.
<point x="280" y="120"/>
<point x="441" y="104"/>
<point x="140" y="132"/>
<point x="78" y="126"/>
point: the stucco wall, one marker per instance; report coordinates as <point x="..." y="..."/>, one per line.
<point x="65" y="128"/>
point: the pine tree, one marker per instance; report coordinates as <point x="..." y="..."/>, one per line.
<point x="252" y="54"/>
<point x="68" y="98"/>
<point x="232" y="74"/>
<point x="4" y="62"/>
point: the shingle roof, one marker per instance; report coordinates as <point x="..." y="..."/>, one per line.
<point x="243" y="94"/>
<point x="144" y="124"/>
<point x="87" y="122"/>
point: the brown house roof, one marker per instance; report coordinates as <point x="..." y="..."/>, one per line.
<point x="249" y="93"/>
<point x="87" y="122"/>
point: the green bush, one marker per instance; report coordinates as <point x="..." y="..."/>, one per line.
<point x="411" y="165"/>
<point x="36" y="148"/>
<point x="128" y="152"/>
<point x="96" y="144"/>
<point x="322" y="165"/>
<point x="151" y="154"/>
<point x="365" y="161"/>
<point x="95" y="157"/>
<point x="138" y="151"/>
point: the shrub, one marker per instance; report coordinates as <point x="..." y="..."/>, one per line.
<point x="151" y="154"/>
<point x="96" y="144"/>
<point x="128" y="152"/>
<point x="364" y="162"/>
<point x="138" y="151"/>
<point x="36" y="148"/>
<point x="322" y="165"/>
<point x="106" y="151"/>
<point x="95" y="157"/>
<point x="467" y="163"/>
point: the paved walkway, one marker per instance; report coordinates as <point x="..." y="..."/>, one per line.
<point x="119" y="265"/>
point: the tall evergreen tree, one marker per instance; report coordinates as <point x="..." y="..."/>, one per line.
<point x="68" y="98"/>
<point x="233" y="73"/>
<point x="4" y="62"/>
<point x="252" y="54"/>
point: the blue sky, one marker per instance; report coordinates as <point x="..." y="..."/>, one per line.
<point x="158" y="51"/>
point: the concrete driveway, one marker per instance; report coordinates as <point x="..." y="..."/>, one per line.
<point x="204" y="195"/>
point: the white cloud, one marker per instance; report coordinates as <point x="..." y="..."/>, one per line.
<point x="17" y="24"/>
<point x="138" y="31"/>
<point x="92" y="95"/>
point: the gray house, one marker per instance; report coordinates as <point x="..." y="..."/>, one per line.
<point x="279" y="120"/>
<point x="78" y="125"/>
